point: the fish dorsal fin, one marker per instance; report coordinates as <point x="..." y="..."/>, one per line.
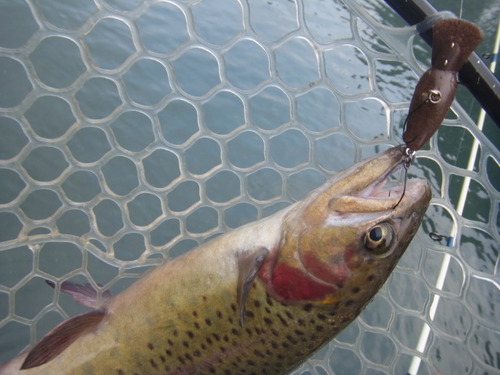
<point x="62" y="336"/>
<point x="249" y="262"/>
<point x="84" y="294"/>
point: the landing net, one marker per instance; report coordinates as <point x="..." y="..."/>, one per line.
<point x="132" y="131"/>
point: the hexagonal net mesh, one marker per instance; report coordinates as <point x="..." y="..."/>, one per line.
<point x="132" y="131"/>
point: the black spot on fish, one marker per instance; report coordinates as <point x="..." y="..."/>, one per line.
<point x="203" y="346"/>
<point x="219" y="314"/>
<point x="190" y="334"/>
<point x="256" y="303"/>
<point x="153" y="364"/>
<point x="226" y="338"/>
<point x="249" y="331"/>
<point x="196" y="325"/>
<point x="251" y="362"/>
<point x="209" y="341"/>
<point x="181" y="360"/>
<point x="235" y="332"/>
<point x="268" y="320"/>
<point x="370" y="278"/>
<point x="197" y="353"/>
<point x="120" y="371"/>
<point x="299" y="332"/>
<point x="280" y="356"/>
<point x="349" y="302"/>
<point x="356" y="289"/>
<point x="269" y="301"/>
<point x="249" y="314"/>
<point x="212" y="370"/>
<point x="150" y="346"/>
<point x="282" y="320"/>
<point x="308" y="307"/>
<point x="275" y="332"/>
<point x="268" y="310"/>
<point x="175" y="333"/>
<point x="223" y="349"/>
<point x="230" y="320"/>
<point x="204" y="298"/>
<point x="189" y="357"/>
<point x="170" y="342"/>
<point x="186" y="344"/>
<point x="227" y="372"/>
<point x="285" y="345"/>
<point x="216" y="336"/>
<point x="208" y="322"/>
<point x="195" y="313"/>
<point x="291" y="339"/>
<point x="163" y="359"/>
<point x="168" y="352"/>
<point x="319" y="328"/>
<point x="258" y="353"/>
<point x="289" y="315"/>
<point x="233" y="307"/>
<point x="321" y="316"/>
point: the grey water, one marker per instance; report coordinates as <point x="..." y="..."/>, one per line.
<point x="214" y="151"/>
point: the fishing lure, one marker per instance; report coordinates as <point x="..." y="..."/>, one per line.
<point x="453" y="40"/>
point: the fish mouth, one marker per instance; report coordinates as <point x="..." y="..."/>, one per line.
<point x="367" y="188"/>
<point x="383" y="192"/>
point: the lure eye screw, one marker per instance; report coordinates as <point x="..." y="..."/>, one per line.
<point x="434" y="96"/>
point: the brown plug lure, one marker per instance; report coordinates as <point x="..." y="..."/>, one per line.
<point x="453" y="40"/>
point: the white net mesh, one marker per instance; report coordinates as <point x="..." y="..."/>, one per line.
<point x="131" y="131"/>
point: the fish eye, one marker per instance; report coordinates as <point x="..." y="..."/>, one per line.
<point x="378" y="239"/>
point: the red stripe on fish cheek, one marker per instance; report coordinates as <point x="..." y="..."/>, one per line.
<point x="293" y="284"/>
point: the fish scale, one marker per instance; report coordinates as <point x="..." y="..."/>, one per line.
<point x="273" y="336"/>
<point x="258" y="300"/>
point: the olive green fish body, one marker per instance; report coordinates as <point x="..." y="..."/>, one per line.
<point x="258" y="300"/>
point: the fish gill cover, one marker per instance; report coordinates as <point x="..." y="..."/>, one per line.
<point x="133" y="131"/>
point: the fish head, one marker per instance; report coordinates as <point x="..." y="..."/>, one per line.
<point x="342" y="241"/>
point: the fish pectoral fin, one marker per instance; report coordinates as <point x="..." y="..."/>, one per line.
<point x="62" y="336"/>
<point x="84" y="294"/>
<point x="249" y="262"/>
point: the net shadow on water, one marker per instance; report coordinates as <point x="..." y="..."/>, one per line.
<point x="133" y="131"/>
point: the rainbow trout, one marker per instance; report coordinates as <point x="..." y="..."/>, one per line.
<point x="258" y="300"/>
